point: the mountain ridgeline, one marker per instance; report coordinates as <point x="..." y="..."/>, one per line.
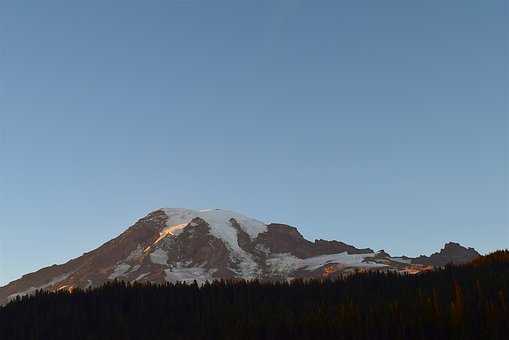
<point x="463" y="302"/>
<point x="184" y="245"/>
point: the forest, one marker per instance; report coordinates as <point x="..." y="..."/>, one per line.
<point x="454" y="302"/>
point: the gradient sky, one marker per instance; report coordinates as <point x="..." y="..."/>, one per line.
<point x="379" y="123"/>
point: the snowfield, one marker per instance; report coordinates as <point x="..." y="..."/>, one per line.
<point x="159" y="256"/>
<point x="218" y="220"/>
<point x="221" y="228"/>
<point x="284" y="263"/>
<point x="119" y="270"/>
<point x="179" y="273"/>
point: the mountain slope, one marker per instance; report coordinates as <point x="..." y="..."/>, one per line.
<point x="462" y="302"/>
<point x="170" y="245"/>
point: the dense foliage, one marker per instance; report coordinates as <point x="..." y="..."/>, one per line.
<point x="456" y="302"/>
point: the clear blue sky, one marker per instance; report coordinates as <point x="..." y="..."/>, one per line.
<point x="379" y="123"/>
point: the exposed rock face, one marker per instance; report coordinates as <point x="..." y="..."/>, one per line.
<point x="451" y="253"/>
<point x="332" y="247"/>
<point x="170" y="245"/>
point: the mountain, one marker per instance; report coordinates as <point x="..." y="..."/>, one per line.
<point x="187" y="245"/>
<point x="451" y="253"/>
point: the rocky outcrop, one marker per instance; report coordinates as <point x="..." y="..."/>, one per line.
<point x="333" y="247"/>
<point x="452" y="253"/>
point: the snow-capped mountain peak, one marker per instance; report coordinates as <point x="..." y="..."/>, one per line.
<point x="177" y="244"/>
<point x="218" y="220"/>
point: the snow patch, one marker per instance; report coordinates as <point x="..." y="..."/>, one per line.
<point x="349" y="260"/>
<point x="135" y="254"/>
<point x="262" y="249"/>
<point x="286" y="263"/>
<point x="246" y="267"/>
<point x="283" y="263"/>
<point x="189" y="274"/>
<point x="140" y="277"/>
<point x="159" y="256"/>
<point x="134" y="268"/>
<point x="119" y="270"/>
<point x="32" y="290"/>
